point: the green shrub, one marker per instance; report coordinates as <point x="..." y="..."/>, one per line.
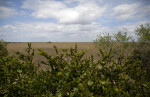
<point x="104" y="41"/>
<point x="17" y="75"/>
<point x="144" y="33"/>
<point x="72" y="77"/>
<point x="3" y="49"/>
<point x="121" y="36"/>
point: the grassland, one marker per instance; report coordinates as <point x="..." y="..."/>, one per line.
<point x="48" y="47"/>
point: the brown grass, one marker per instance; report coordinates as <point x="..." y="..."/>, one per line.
<point x="48" y="47"/>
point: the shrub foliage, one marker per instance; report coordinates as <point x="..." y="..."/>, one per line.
<point x="71" y="75"/>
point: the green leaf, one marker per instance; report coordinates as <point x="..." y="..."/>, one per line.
<point x="90" y="83"/>
<point x="145" y="85"/>
<point x="75" y="89"/>
<point x="19" y="71"/>
<point x="100" y="67"/>
<point x="59" y="73"/>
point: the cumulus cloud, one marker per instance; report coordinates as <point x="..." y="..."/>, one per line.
<point x="6" y="12"/>
<point x="45" y="31"/>
<point x="125" y="11"/>
<point x="82" y="13"/>
<point x="42" y="31"/>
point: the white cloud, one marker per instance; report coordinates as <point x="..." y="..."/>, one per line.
<point x="125" y="11"/>
<point x="6" y="12"/>
<point x="42" y="31"/>
<point x="82" y="13"/>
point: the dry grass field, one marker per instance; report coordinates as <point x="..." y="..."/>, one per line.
<point x="48" y="47"/>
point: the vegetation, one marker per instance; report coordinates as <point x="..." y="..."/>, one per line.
<point x="3" y="50"/>
<point x="71" y="75"/>
<point x="104" y="41"/>
<point x="121" y="36"/>
<point x="144" y="33"/>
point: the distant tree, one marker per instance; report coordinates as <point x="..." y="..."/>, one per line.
<point x="49" y="42"/>
<point x="121" y="36"/>
<point x="104" y="40"/>
<point x="144" y="33"/>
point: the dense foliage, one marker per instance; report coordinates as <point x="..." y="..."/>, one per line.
<point x="104" y="40"/>
<point x="144" y="33"/>
<point x="121" y="36"/>
<point x="71" y="75"/>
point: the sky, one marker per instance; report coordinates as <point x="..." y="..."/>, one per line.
<point x="69" y="20"/>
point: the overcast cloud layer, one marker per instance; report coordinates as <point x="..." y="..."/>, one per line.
<point x="69" y="20"/>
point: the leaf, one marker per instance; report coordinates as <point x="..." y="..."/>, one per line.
<point x="91" y="65"/>
<point x="19" y="71"/>
<point x="59" y="73"/>
<point x="90" y="83"/>
<point x="101" y="52"/>
<point x="67" y="74"/>
<point x="100" y="67"/>
<point x="75" y="89"/>
<point x="145" y="85"/>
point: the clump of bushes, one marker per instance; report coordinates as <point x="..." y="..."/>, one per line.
<point x="123" y="43"/>
<point x="74" y="77"/>
<point x="3" y="50"/>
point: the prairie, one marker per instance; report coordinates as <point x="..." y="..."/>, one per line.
<point x="48" y="47"/>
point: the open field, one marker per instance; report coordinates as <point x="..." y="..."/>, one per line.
<point x="48" y="47"/>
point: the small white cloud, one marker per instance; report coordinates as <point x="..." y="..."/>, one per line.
<point x="6" y="12"/>
<point x="125" y="11"/>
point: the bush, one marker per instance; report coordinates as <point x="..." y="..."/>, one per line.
<point x="3" y="49"/>
<point x="73" y="77"/>
<point x="121" y="36"/>
<point x="104" y="41"/>
<point x="144" y="33"/>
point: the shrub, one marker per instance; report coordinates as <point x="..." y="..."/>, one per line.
<point x="104" y="41"/>
<point x="73" y="77"/>
<point x="144" y="33"/>
<point x="17" y="74"/>
<point x="3" y="49"/>
<point x="121" y="36"/>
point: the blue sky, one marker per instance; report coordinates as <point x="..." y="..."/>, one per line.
<point x="69" y="20"/>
